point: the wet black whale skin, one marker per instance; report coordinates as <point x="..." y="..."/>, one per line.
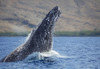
<point x="40" y="40"/>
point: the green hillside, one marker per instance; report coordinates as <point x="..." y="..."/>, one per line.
<point x="18" y="17"/>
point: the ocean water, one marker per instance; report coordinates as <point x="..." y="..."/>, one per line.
<point x="78" y="52"/>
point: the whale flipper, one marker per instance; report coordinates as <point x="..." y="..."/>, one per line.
<point x="40" y="40"/>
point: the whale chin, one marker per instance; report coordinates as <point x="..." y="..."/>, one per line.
<point x="39" y="40"/>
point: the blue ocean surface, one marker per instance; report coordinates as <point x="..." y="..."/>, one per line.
<point x="80" y="52"/>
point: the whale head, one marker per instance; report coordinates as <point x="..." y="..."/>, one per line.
<point x="41" y="38"/>
<point x="53" y="14"/>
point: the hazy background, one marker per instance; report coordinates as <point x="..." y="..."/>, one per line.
<point x="23" y="15"/>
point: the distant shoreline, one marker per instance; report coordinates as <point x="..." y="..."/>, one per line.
<point x="77" y="33"/>
<point x="57" y="33"/>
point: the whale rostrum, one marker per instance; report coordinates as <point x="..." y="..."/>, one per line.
<point x="39" y="40"/>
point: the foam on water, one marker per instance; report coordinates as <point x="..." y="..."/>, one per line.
<point x="51" y="53"/>
<point x="44" y="56"/>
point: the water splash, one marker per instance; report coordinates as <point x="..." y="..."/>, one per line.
<point x="51" y="53"/>
<point x="48" y="56"/>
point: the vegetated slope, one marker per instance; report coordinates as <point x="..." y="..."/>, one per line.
<point x="23" y="15"/>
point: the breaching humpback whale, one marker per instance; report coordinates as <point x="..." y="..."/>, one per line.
<point x="40" y="40"/>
